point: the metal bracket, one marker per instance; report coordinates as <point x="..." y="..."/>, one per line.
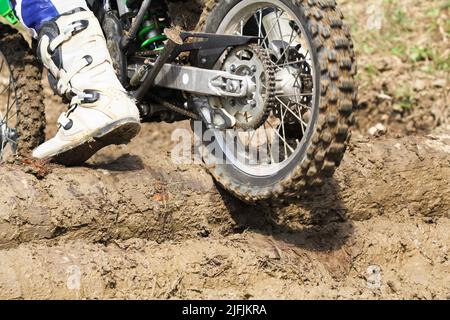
<point x="203" y="81"/>
<point x="210" y="46"/>
<point x="209" y="51"/>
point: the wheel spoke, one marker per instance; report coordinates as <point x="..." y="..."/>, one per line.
<point x="269" y="144"/>
<point x="13" y="103"/>
<point x="281" y="35"/>
<point x="10" y="101"/>
<point x="11" y="141"/>
<point x="278" y="134"/>
<point x="286" y="51"/>
<point x="259" y="22"/>
<point x="286" y="127"/>
<point x="6" y="88"/>
<point x="267" y="34"/>
<point x="11" y="116"/>
<point x="303" y="106"/>
<point x="292" y="112"/>
<point x="284" y="134"/>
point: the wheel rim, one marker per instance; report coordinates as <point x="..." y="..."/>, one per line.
<point x="8" y="111"/>
<point x="293" y="118"/>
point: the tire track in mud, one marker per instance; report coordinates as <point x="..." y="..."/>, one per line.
<point x="132" y="224"/>
<point x="410" y="259"/>
<point x="135" y="197"/>
<point x="101" y="205"/>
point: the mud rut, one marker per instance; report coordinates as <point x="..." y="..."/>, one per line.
<point x="131" y="224"/>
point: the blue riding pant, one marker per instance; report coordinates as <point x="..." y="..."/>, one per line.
<point x="33" y="13"/>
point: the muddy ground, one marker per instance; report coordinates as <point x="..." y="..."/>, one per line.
<point x="132" y="224"/>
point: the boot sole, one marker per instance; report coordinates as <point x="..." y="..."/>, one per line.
<point x="119" y="132"/>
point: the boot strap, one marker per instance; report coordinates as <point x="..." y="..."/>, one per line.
<point x="65" y="76"/>
<point x="71" y="30"/>
<point x="87" y="96"/>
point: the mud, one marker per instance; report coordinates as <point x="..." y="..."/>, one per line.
<point x="132" y="224"/>
<point x="381" y="259"/>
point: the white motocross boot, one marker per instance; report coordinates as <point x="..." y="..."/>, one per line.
<point x="73" y="48"/>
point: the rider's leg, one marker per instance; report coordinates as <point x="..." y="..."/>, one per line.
<point x="72" y="46"/>
<point x="34" y="13"/>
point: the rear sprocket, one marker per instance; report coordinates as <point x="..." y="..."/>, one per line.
<point x="252" y="111"/>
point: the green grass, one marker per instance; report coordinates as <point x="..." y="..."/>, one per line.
<point x="397" y="36"/>
<point x="404" y="96"/>
<point x="371" y="70"/>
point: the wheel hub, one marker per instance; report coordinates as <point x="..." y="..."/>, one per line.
<point x="251" y="61"/>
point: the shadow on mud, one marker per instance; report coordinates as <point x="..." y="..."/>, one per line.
<point x="317" y="222"/>
<point x="125" y="162"/>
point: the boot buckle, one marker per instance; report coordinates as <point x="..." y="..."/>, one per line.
<point x="87" y="96"/>
<point x="65" y="122"/>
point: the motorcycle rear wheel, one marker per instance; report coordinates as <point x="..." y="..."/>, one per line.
<point x="320" y="144"/>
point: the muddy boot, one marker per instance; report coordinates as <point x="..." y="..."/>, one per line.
<point x="101" y="113"/>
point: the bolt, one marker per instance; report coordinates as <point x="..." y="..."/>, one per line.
<point x="203" y="60"/>
<point x="232" y="68"/>
<point x="253" y="68"/>
<point x="253" y="103"/>
<point x="232" y="86"/>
